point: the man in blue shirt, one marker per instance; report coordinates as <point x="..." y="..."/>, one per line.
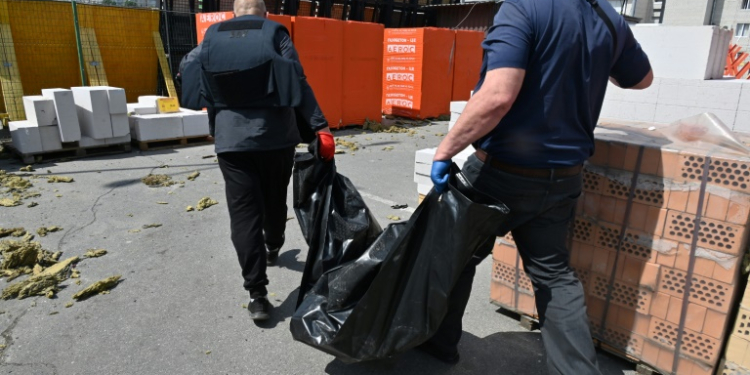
<point x="532" y="119"/>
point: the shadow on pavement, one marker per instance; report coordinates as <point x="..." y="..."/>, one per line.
<point x="499" y="353"/>
<point x="288" y="259"/>
<point x="281" y="312"/>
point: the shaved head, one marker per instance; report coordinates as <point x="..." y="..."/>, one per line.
<point x="249" y="7"/>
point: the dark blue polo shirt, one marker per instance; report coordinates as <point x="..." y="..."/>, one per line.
<point x="566" y="50"/>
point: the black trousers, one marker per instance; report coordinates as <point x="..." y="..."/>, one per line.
<point x="541" y="211"/>
<point x="256" y="185"/>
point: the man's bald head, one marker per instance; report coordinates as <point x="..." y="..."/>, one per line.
<point x="249" y="7"/>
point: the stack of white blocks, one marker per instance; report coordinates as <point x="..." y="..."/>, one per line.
<point x="103" y="115"/>
<point x="146" y="124"/>
<point x="423" y="158"/>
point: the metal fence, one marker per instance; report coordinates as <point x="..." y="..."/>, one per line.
<point x="133" y="44"/>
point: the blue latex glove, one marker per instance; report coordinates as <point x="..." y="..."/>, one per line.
<point x="440" y="174"/>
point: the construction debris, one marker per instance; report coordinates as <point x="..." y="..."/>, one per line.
<point x="15" y="232"/>
<point x="134" y="231"/>
<point x="27" y="168"/>
<point x="193" y="176"/>
<point x="387" y="148"/>
<point x="205" y="203"/>
<point x="7" y="202"/>
<point x="155" y="225"/>
<point x="339" y="152"/>
<point x="95" y="253"/>
<point x="99" y="287"/>
<point x="53" y="179"/>
<point x="189" y="209"/>
<point x="69" y="305"/>
<point x="393" y="218"/>
<point x="32" y="204"/>
<point x="352" y="146"/>
<point x="162" y="202"/>
<point x="208" y="156"/>
<point x="158" y="180"/>
<point x="42" y="232"/>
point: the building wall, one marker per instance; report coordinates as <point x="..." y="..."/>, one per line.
<point x="728" y="14"/>
<point x="687" y="12"/>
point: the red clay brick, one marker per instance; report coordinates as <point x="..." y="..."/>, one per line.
<point x="683" y="258"/>
<point x="601" y="154"/>
<point x="626" y="318"/>
<point x="724" y="275"/>
<point x="717" y="207"/>
<point x="601" y="261"/>
<point x="714" y="324"/>
<point x="660" y="305"/>
<point x="666" y="359"/>
<point x="670" y="164"/>
<point x="655" y="220"/>
<point x="632" y="270"/>
<point x="619" y="214"/>
<point x="501" y="294"/>
<point x="693" y="199"/>
<point x="678" y="200"/>
<point x="696" y="316"/>
<point x="650" y="353"/>
<point x="638" y="216"/>
<point x="651" y="161"/>
<point x="591" y="205"/>
<point x="616" y="157"/>
<point x="595" y="309"/>
<point x="666" y="259"/>
<point x="607" y="209"/>
<point x="649" y="276"/>
<point x="739" y="208"/>
<point x="526" y="304"/>
<point x="674" y="312"/>
<point x="585" y="256"/>
<point x="641" y="324"/>
<point x="704" y="267"/>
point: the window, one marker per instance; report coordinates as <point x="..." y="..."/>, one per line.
<point x="745" y="4"/>
<point x="743" y="29"/>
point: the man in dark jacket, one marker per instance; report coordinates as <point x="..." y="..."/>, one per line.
<point x="189" y="78"/>
<point x="256" y="92"/>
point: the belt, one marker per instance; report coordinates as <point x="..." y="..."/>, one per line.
<point x="528" y="172"/>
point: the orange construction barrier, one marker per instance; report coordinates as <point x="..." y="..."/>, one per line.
<point x="284" y="20"/>
<point x="204" y="20"/>
<point x="418" y="72"/>
<point x="362" y="73"/>
<point x="319" y="42"/>
<point x="467" y="63"/>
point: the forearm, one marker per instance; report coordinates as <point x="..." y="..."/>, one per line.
<point x="481" y="115"/>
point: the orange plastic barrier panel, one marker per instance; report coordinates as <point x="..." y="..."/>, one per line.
<point x="319" y="42"/>
<point x="284" y="20"/>
<point x="467" y="63"/>
<point x="362" y="74"/>
<point x="417" y="72"/>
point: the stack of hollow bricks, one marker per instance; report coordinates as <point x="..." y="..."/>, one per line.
<point x="635" y="283"/>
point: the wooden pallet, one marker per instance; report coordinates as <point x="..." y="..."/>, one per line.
<point x="531" y="323"/>
<point x="71" y="151"/>
<point x="161" y="144"/>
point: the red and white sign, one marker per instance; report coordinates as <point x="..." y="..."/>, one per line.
<point x="204" y="20"/>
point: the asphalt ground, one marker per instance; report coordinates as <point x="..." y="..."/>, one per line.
<point x="178" y="309"/>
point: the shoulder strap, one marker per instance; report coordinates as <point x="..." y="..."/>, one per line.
<point x="607" y="21"/>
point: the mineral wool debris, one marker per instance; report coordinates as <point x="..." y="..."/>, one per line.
<point x="158" y="180"/>
<point x="205" y="203"/>
<point x="99" y="287"/>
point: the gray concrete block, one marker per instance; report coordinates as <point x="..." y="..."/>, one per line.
<point x="118" y="104"/>
<point x="194" y="123"/>
<point x="92" y="105"/>
<point x="156" y="127"/>
<point x="25" y="136"/>
<point x="120" y="125"/>
<point x="50" y="136"/>
<point x="66" y="112"/>
<point x="118" y="140"/>
<point x="39" y="110"/>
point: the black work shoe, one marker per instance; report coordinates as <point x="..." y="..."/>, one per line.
<point x="259" y="309"/>
<point x="448" y="356"/>
<point x="272" y="256"/>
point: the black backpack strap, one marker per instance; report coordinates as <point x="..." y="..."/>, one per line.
<point x="607" y="21"/>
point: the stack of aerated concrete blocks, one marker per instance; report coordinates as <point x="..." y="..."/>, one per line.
<point x="635" y="283"/>
<point x="91" y="116"/>
<point x="146" y="124"/>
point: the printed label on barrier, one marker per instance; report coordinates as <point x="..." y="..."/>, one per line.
<point x="402" y="71"/>
<point x="204" y="20"/>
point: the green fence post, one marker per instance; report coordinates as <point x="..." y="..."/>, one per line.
<point x="78" y="43"/>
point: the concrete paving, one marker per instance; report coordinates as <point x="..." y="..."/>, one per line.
<point x="179" y="308"/>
